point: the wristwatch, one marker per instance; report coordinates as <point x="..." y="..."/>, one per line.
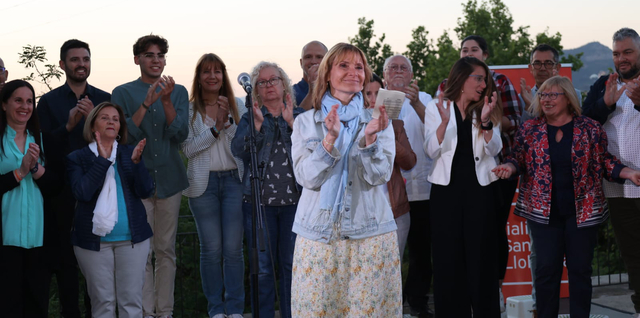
<point x="35" y="168"/>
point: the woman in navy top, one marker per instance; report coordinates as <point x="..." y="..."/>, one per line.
<point x="562" y="157"/>
<point x="110" y="233"/>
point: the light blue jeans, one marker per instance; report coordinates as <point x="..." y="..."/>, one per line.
<point x="218" y="215"/>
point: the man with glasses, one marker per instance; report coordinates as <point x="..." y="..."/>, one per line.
<point x="312" y="54"/>
<point x="614" y="101"/>
<point x="3" y="74"/>
<point x="398" y="75"/>
<point x="62" y="111"/>
<point x="545" y="63"/>
<point x="157" y="109"/>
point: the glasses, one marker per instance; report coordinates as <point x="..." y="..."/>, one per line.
<point x="273" y="82"/>
<point x="551" y="96"/>
<point x="2" y="68"/>
<point x="479" y="78"/>
<point x="547" y="64"/>
<point x="398" y="68"/>
<point x="151" y="56"/>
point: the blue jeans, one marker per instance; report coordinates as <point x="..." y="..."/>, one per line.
<point x="219" y="223"/>
<point x="279" y="241"/>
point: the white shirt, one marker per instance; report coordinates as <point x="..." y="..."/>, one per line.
<point x="418" y="187"/>
<point x="623" y="132"/>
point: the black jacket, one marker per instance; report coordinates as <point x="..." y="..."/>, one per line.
<point x="86" y="174"/>
<point x="594" y="105"/>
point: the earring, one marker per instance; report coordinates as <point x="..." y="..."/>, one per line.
<point x="118" y="137"/>
<point x="462" y="91"/>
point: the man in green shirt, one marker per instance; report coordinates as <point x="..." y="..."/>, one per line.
<point x="157" y="109"/>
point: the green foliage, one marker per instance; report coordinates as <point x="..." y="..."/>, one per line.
<point x="554" y="41"/>
<point x="445" y="56"/>
<point x="420" y="52"/>
<point x="492" y="20"/>
<point x="376" y="52"/>
<point x="31" y="57"/>
<point x="607" y="259"/>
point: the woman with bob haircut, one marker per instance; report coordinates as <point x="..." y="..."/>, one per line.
<point x="463" y="138"/>
<point x="562" y="157"/>
<point x="274" y="110"/>
<point x="346" y="261"/>
<point x="215" y="186"/>
<point x="27" y="181"/>
<point x="110" y="234"/>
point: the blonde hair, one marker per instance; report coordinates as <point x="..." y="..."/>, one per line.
<point x="337" y="53"/>
<point x="567" y="88"/>
<point x="87" y="131"/>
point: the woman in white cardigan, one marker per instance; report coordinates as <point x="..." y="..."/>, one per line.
<point x="215" y="186"/>
<point x="463" y="138"/>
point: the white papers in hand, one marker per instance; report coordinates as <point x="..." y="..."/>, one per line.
<point x="392" y="101"/>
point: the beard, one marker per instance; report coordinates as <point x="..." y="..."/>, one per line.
<point x="631" y="73"/>
<point x="78" y="79"/>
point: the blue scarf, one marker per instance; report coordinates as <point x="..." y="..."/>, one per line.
<point x="332" y="191"/>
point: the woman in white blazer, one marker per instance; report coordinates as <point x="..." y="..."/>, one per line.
<point x="463" y="138"/>
<point x="215" y="186"/>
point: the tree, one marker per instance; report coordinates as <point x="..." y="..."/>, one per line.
<point x="445" y="56"/>
<point x="554" y="41"/>
<point x="493" y="21"/>
<point x="506" y="45"/>
<point x="376" y="53"/>
<point x="31" y="56"/>
<point x="431" y="62"/>
<point x="420" y="52"/>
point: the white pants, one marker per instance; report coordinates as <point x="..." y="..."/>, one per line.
<point x="114" y="274"/>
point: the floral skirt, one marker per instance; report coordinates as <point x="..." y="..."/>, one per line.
<point x="347" y="278"/>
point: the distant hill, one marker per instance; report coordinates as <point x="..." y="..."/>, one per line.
<point x="597" y="60"/>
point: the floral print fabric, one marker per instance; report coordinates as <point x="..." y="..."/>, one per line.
<point x="347" y="278"/>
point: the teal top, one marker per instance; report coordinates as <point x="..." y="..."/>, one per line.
<point x="121" y="231"/>
<point x="161" y="154"/>
<point x="22" y="207"/>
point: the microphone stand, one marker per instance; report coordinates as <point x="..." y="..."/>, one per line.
<point x="257" y="213"/>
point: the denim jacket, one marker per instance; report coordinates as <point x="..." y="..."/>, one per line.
<point x="366" y="211"/>
<point x="264" y="142"/>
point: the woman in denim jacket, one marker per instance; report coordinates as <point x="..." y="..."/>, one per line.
<point x="346" y="261"/>
<point x="273" y="122"/>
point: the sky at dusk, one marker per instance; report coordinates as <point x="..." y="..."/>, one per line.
<point x="244" y="33"/>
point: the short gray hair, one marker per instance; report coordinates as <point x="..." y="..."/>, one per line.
<point x="626" y="33"/>
<point x="286" y="82"/>
<point x="386" y="62"/>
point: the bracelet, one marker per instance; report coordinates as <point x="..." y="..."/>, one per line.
<point x="16" y="174"/>
<point x="488" y="126"/>
<point x="145" y="106"/>
<point x="328" y="143"/>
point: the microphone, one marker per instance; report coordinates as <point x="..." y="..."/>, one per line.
<point x="245" y="81"/>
